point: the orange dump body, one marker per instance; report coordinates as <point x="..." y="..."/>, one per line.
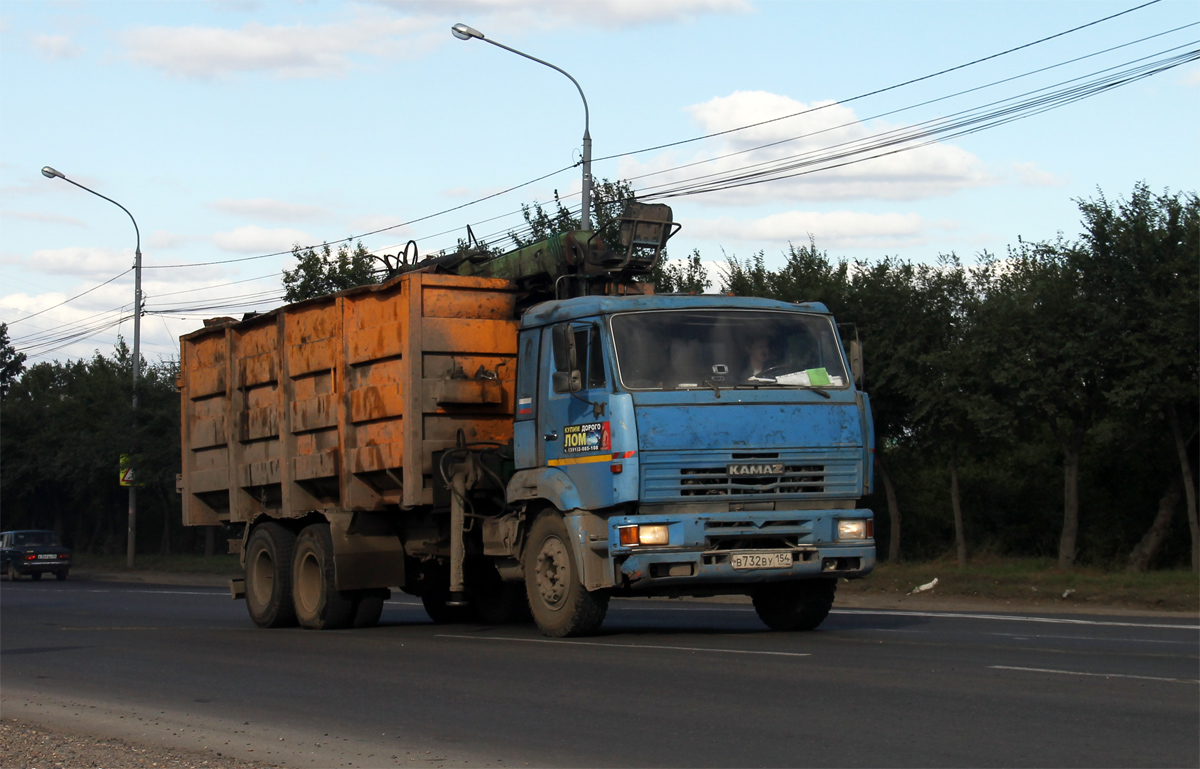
<point x="338" y="403"/>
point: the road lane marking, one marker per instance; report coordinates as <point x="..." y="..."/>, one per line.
<point x="1015" y="618"/>
<point x="745" y="609"/>
<point x="623" y="646"/>
<point x="1027" y="636"/>
<point x="1096" y="675"/>
<point x="953" y="615"/>
<point x="214" y="591"/>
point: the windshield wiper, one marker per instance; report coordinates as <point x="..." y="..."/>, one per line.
<point x="708" y="381"/>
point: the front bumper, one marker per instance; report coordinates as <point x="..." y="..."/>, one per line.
<point x="701" y="548"/>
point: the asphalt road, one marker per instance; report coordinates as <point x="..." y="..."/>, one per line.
<point x="665" y="684"/>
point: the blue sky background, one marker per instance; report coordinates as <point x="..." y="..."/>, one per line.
<point x="235" y="129"/>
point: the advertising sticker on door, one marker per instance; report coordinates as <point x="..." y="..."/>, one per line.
<point x="586" y="438"/>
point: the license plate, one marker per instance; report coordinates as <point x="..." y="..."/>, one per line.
<point x="767" y="559"/>
<point x="47" y="557"/>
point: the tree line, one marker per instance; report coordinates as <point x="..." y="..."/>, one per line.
<point x="1044" y="402"/>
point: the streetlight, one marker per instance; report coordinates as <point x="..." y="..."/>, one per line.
<point x="463" y="32"/>
<point x="50" y="173"/>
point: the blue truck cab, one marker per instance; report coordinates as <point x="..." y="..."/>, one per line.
<point x="691" y="445"/>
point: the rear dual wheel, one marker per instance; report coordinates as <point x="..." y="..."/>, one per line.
<point x="319" y="603"/>
<point x="268" y="575"/>
<point x="290" y="580"/>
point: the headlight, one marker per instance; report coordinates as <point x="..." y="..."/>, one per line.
<point x="860" y="529"/>
<point x="642" y="535"/>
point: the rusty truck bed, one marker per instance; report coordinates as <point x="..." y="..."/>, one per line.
<point x="338" y="402"/>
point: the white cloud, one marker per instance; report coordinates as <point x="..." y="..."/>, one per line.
<point x="161" y="239"/>
<point x="80" y="262"/>
<point x="549" y="14"/>
<point x="56" y="47"/>
<point x="823" y="131"/>
<point x="34" y="216"/>
<point x="296" y="51"/>
<point x="1191" y="76"/>
<point x="256" y="240"/>
<point x="266" y="208"/>
<point x="833" y="230"/>
<point x="1032" y="176"/>
<point x="373" y="222"/>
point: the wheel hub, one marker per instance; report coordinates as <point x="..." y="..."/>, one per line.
<point x="553" y="571"/>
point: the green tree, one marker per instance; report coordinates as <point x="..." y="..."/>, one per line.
<point x="66" y="425"/>
<point x="1048" y="349"/>
<point x="941" y="384"/>
<point x="608" y="202"/>
<point x="1139" y="258"/>
<point x="318" y="273"/>
<point x="12" y="363"/>
<point x="688" y="277"/>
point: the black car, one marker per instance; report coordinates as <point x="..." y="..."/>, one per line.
<point x="33" y="552"/>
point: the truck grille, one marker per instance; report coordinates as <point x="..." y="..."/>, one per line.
<point x="665" y="477"/>
<point x="796" y="479"/>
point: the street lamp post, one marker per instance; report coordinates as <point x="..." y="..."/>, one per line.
<point x="463" y="32"/>
<point x="50" y="173"/>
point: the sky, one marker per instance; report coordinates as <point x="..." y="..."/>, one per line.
<point x="233" y="130"/>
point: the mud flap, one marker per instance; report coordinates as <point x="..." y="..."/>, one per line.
<point x="367" y="552"/>
<point x="589" y="536"/>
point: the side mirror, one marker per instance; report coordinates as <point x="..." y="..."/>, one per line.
<point x="567" y="381"/>
<point x="564" y="348"/>
<point x="566" y="377"/>
<point x="856" y="361"/>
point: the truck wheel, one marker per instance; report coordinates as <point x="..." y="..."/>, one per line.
<point x="801" y="605"/>
<point x="319" y="604"/>
<point x="268" y="576"/>
<point x="561" y="606"/>
<point x="60" y="575"/>
<point x="368" y="607"/>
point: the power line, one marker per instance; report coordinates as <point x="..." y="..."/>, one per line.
<point x="672" y="144"/>
<point x="60" y="304"/>
<point x="927" y="132"/>
<point x="352" y="238"/>
<point x="879" y="90"/>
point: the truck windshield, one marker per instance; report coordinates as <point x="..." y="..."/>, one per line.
<point x="678" y="349"/>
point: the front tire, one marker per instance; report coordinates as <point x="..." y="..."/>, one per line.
<point x="268" y="575"/>
<point x="319" y="604"/>
<point x="801" y="605"/>
<point x="560" y="604"/>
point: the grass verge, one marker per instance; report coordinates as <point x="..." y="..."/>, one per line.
<point x="1036" y="580"/>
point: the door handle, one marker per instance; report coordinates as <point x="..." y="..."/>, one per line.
<point x="551" y="436"/>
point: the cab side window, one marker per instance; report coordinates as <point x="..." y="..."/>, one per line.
<point x="590" y="356"/>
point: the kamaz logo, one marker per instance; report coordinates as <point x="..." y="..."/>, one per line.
<point x="766" y="469"/>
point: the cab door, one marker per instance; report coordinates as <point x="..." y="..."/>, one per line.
<point x="575" y="428"/>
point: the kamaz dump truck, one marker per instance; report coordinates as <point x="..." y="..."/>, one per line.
<point x="530" y="433"/>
